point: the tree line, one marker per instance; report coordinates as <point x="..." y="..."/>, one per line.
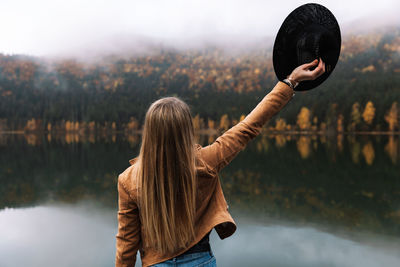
<point x="362" y="93"/>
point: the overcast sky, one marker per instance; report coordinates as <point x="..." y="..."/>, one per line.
<point x="50" y="27"/>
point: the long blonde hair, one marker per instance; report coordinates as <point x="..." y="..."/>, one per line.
<point x="167" y="176"/>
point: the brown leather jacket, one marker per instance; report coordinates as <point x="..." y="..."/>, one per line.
<point x="211" y="207"/>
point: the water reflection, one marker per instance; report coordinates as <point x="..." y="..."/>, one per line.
<point x="341" y="184"/>
<point x="291" y="246"/>
<point x="392" y="148"/>
<point x="84" y="235"/>
<point x="306" y="144"/>
<point x="369" y="153"/>
<point x="79" y="235"/>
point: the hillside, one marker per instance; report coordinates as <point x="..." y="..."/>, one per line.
<point x="42" y="94"/>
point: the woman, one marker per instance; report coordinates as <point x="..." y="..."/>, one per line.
<point x="171" y="198"/>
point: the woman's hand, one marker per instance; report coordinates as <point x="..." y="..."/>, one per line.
<point x="303" y="72"/>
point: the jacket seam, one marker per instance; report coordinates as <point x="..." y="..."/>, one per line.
<point x="127" y="191"/>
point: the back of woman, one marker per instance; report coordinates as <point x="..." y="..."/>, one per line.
<point x="171" y="198"/>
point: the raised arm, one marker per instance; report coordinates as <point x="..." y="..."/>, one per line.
<point x="227" y="146"/>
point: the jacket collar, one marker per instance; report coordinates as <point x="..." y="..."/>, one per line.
<point x="133" y="161"/>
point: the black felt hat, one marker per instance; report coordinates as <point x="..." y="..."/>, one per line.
<point x="308" y="33"/>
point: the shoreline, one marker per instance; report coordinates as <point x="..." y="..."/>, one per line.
<point x="204" y="132"/>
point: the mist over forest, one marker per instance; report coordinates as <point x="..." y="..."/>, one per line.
<point x="221" y="80"/>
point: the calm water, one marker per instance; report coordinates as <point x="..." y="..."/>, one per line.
<point x="297" y="200"/>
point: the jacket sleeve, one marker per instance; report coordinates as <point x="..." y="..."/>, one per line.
<point x="128" y="236"/>
<point x="228" y="145"/>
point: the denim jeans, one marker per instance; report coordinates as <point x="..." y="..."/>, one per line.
<point x="199" y="259"/>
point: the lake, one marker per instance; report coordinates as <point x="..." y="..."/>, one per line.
<point x="297" y="200"/>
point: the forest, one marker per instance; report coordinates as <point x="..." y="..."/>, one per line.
<point x="112" y="94"/>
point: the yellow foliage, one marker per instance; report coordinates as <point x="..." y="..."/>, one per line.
<point x="224" y="122"/>
<point x="133" y="124"/>
<point x="32" y="139"/>
<point x="303" y="119"/>
<point x="370" y="68"/>
<point x="367" y="194"/>
<point x="92" y="127"/>
<point x="211" y="139"/>
<point x="355" y="115"/>
<point x="392" y="116"/>
<point x="196" y="122"/>
<point x="391" y="149"/>
<point x="303" y="146"/>
<point x="280" y="140"/>
<point x="211" y="124"/>
<point x="315" y="120"/>
<point x="128" y="67"/>
<point x="369" y="113"/>
<point x="280" y="124"/>
<point x="369" y="153"/>
<point x="263" y="144"/>
<point x="31" y="125"/>
<point x="69" y="138"/>
<point x="68" y="126"/>
<point x="340" y="123"/>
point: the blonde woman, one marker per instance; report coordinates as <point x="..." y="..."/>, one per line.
<point x="170" y="198"/>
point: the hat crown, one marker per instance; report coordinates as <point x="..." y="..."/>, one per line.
<point x="315" y="42"/>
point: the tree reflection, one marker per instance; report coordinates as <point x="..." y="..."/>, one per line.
<point x="280" y="140"/>
<point x="304" y="146"/>
<point x="369" y="153"/>
<point x="392" y="148"/>
<point x="263" y="144"/>
<point x="270" y="180"/>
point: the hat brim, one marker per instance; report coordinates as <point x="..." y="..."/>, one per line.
<point x="285" y="51"/>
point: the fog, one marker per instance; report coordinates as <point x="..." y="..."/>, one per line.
<point x="82" y="28"/>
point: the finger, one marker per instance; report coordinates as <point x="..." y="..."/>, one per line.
<point x="321" y="63"/>
<point x="322" y="67"/>
<point x="317" y="71"/>
<point x="310" y="65"/>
